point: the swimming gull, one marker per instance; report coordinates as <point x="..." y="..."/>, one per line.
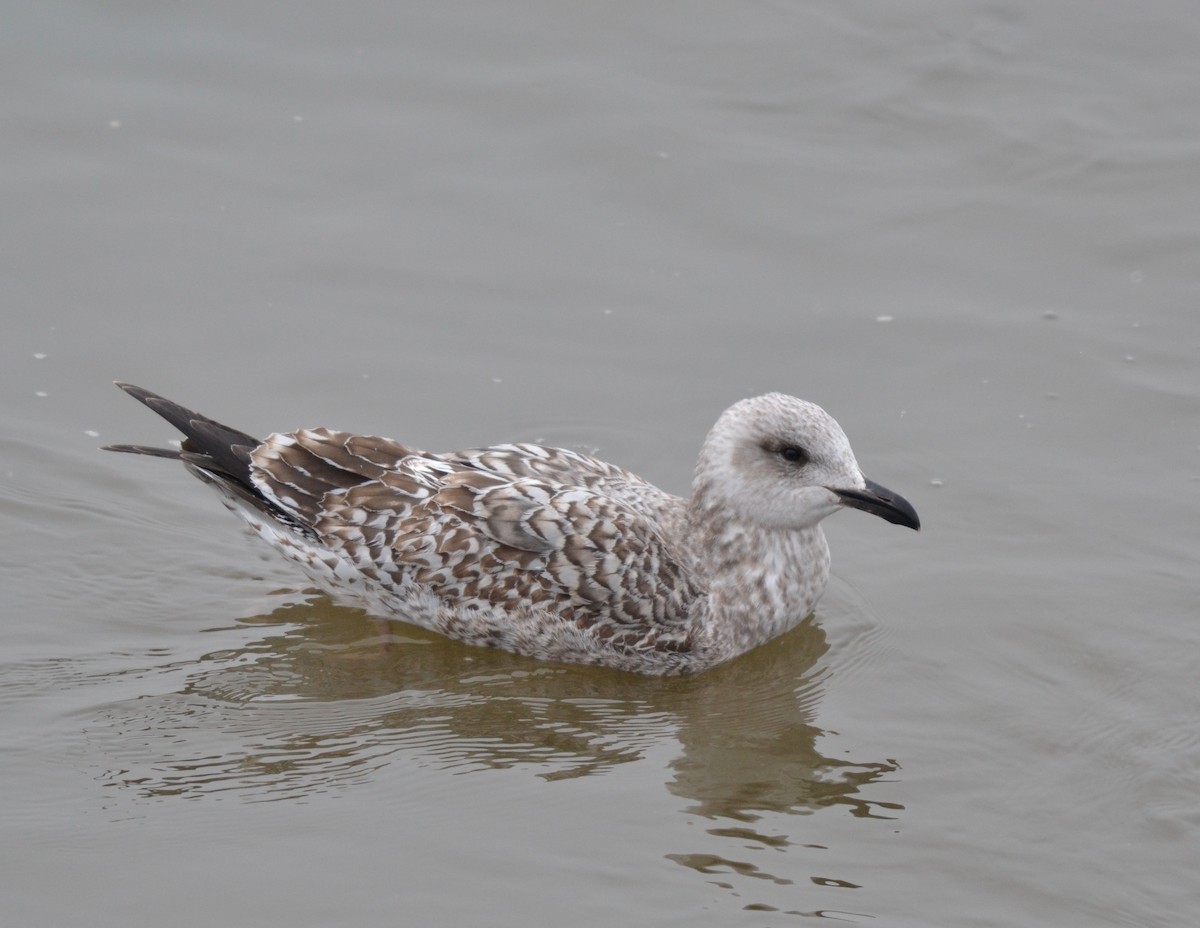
<point x="549" y="552"/>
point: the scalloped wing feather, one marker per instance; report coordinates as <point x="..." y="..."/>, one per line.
<point x="517" y="527"/>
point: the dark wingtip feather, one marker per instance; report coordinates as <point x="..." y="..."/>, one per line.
<point x="211" y="451"/>
<point x="171" y="453"/>
<point x="207" y="444"/>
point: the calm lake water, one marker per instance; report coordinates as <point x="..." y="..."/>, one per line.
<point x="970" y="231"/>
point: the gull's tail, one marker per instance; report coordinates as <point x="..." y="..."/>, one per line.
<point x="214" y="449"/>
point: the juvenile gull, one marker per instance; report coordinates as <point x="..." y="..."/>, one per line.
<point x="548" y="552"/>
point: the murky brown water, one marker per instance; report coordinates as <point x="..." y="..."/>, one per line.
<point x="971" y="233"/>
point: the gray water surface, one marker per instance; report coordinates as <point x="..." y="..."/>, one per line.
<point x="970" y="231"/>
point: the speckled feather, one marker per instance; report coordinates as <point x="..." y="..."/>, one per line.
<point x="542" y="551"/>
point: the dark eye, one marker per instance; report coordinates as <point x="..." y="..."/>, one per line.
<point x="794" y="454"/>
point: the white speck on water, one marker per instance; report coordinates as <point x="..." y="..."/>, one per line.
<point x="885" y="318"/>
<point x="1129" y="358"/>
<point x="91" y="433"/>
<point x="40" y="355"/>
<point x="497" y="380"/>
<point x="936" y="482"/>
<point x="114" y="124"/>
<point x="41" y="393"/>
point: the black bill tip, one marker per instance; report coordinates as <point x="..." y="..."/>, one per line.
<point x="880" y="501"/>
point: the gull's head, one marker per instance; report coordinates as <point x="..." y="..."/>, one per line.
<point x="784" y="463"/>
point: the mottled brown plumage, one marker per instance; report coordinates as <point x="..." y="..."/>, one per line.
<point x="548" y="552"/>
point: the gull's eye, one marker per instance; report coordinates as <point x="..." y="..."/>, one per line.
<point x="794" y="454"/>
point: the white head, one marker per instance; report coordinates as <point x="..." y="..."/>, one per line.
<point x="784" y="463"/>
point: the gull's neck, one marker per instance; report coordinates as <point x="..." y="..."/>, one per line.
<point x="761" y="582"/>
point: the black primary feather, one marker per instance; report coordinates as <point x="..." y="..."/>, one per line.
<point x="207" y="445"/>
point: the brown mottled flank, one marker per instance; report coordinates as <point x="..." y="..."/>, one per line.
<point x="548" y="552"/>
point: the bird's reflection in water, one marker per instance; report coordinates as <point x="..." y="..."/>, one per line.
<point x="330" y="689"/>
<point x="750" y="753"/>
<point x="327" y="696"/>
